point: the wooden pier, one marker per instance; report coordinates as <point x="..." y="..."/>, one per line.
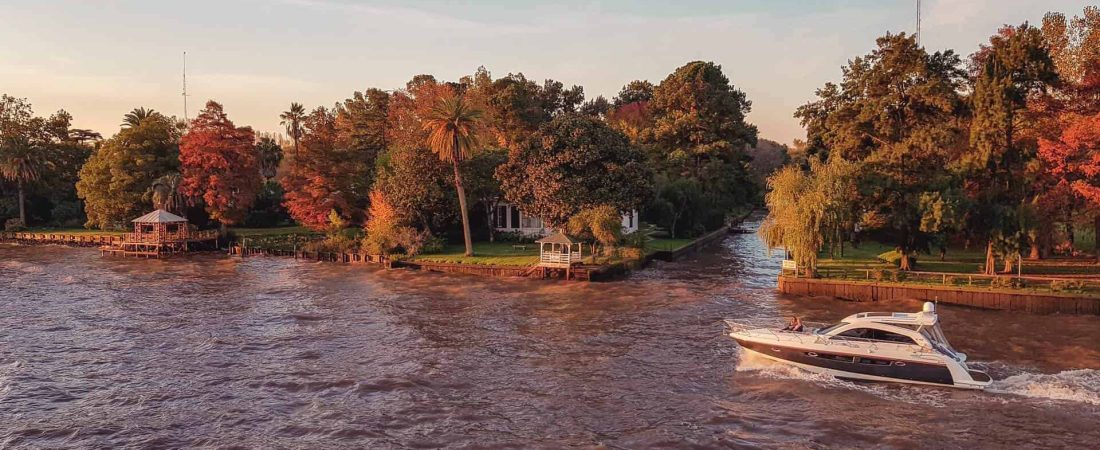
<point x="160" y="233"/>
<point x="74" y="240"/>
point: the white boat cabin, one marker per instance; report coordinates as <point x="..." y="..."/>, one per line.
<point x="509" y="219"/>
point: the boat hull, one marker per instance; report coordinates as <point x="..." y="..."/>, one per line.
<point x="856" y="367"/>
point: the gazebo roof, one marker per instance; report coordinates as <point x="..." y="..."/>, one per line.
<point x="159" y="216"/>
<point x="558" y="237"/>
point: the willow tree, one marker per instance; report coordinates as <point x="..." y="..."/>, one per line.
<point x="805" y="209"/>
<point x="453" y="124"/>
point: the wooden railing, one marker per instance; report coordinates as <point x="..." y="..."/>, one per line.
<point x="61" y="238"/>
<point x="564" y="258"/>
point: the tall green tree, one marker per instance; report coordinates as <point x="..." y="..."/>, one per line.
<point x="577" y="162"/>
<point x="114" y="180"/>
<point x="454" y="137"/>
<point x="699" y="131"/>
<point x="37" y="151"/>
<point x="1014" y="68"/>
<point x="482" y="183"/>
<point x="895" y="112"/>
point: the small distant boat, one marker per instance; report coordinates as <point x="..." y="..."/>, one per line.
<point x="872" y="346"/>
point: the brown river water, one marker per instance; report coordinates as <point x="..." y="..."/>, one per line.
<point x="275" y="353"/>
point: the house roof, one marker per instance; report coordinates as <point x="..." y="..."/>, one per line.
<point x="159" y="216"/>
<point x="558" y="237"/>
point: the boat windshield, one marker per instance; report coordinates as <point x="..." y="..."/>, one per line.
<point x="830" y="328"/>
<point x="935" y="335"/>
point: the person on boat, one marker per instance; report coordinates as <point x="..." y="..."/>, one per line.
<point x="794" y="325"/>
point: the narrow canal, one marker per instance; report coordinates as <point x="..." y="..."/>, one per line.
<point x="268" y="352"/>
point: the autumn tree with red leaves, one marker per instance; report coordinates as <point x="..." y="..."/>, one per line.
<point x="219" y="165"/>
<point x="1075" y="159"/>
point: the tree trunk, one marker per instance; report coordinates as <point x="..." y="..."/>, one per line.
<point x="22" y="202"/>
<point x="462" y="206"/>
<point x="990" y="261"/>
<point x="1035" y="252"/>
<point x="489" y="220"/>
<point x="1096" y="236"/>
<point x="1008" y="265"/>
<point x="1069" y="235"/>
<point x="905" y="264"/>
<point x="296" y="138"/>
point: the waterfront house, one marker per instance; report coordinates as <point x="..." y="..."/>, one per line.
<point x="509" y="219"/>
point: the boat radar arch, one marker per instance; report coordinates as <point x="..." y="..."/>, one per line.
<point x="929" y="307"/>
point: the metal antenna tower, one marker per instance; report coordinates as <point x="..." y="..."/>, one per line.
<point x="918" y="22"/>
<point x="185" y="86"/>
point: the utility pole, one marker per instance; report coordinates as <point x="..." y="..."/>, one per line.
<point x="185" y="86"/>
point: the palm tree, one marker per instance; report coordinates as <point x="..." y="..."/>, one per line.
<point x="292" y="120"/>
<point x="165" y="194"/>
<point x="134" y="118"/>
<point x="453" y="125"/>
<point x="271" y="154"/>
<point x="22" y="165"/>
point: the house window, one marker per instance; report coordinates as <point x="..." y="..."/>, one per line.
<point x="501" y="216"/>
<point x="630" y="221"/>
<point x="514" y="223"/>
<point x="527" y="221"/>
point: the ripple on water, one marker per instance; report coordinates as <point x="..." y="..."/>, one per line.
<point x="270" y="352"/>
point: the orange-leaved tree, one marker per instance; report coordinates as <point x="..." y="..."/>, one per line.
<point x="1074" y="158"/>
<point x="218" y="163"/>
<point x="453" y="124"/>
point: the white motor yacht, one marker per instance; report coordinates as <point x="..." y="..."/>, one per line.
<point x="874" y="346"/>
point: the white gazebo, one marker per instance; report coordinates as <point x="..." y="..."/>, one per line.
<point x="559" y="251"/>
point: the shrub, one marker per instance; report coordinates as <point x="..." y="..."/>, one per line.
<point x="1007" y="282"/>
<point x="637" y="240"/>
<point x="14" y="225"/>
<point x="878" y="274"/>
<point x="514" y="236"/>
<point x="386" y="235"/>
<point x="1067" y="285"/>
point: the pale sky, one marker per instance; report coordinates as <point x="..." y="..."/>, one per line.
<point x="100" y="59"/>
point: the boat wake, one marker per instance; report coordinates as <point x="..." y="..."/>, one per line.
<point x="1080" y="385"/>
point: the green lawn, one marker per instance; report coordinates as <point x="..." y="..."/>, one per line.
<point x="485" y="253"/>
<point x="957" y="260"/>
<point x="663" y="244"/>
<point x="257" y="232"/>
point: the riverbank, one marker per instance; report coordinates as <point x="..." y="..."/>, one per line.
<point x="494" y="260"/>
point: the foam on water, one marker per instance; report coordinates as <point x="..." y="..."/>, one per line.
<point x="1080" y="385"/>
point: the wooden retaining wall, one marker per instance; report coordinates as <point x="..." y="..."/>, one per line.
<point x="1035" y="303"/>
<point x="471" y="269"/>
<point x="75" y="240"/>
